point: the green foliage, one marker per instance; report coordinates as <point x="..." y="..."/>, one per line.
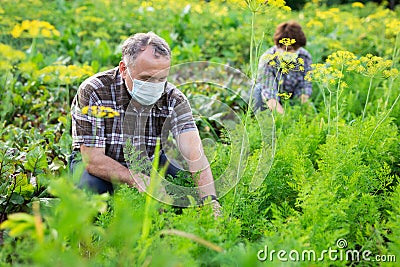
<point x="298" y="181"/>
<point x="393" y="223"/>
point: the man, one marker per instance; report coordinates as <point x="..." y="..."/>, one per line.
<point x="147" y="105"/>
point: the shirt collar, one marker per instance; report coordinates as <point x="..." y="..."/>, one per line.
<point x="162" y="102"/>
<point x="121" y="91"/>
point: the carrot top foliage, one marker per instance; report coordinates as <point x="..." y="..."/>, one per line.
<point x="301" y="181"/>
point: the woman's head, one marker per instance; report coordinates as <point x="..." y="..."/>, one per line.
<point x="292" y="30"/>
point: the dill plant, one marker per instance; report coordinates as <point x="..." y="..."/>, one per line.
<point x="255" y="7"/>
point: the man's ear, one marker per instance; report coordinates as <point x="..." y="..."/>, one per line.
<point x="122" y="69"/>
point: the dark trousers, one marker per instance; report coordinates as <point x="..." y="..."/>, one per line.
<point x="98" y="185"/>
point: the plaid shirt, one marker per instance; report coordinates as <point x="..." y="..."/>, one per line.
<point x="171" y="113"/>
<point x="270" y="79"/>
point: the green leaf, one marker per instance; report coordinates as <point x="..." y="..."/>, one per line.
<point x="18" y="100"/>
<point x="21" y="217"/>
<point x="63" y="120"/>
<point x="16" y="199"/>
<point x="36" y="160"/>
<point x="21" y="228"/>
<point x="27" y="191"/>
<point x="56" y="164"/>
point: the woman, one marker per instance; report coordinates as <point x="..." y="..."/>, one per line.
<point x="282" y="69"/>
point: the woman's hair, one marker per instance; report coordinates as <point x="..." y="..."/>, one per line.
<point x="292" y="30"/>
<point x="137" y="43"/>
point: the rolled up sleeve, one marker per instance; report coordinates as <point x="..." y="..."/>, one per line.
<point x="182" y="117"/>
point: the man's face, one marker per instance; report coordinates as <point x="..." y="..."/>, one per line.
<point x="147" y="67"/>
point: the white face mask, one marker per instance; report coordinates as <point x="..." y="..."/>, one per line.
<point x="146" y="93"/>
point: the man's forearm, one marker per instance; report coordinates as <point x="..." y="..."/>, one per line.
<point x="205" y="183"/>
<point x="106" y="168"/>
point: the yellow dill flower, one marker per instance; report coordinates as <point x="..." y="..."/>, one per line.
<point x="62" y="74"/>
<point x="100" y="112"/>
<point x="146" y="4"/>
<point x="92" y="19"/>
<point x="374" y="66"/>
<point x="332" y="81"/>
<point x="268" y="57"/>
<point x="308" y="76"/>
<point x="313" y="23"/>
<point x="394" y="72"/>
<point x="214" y="8"/>
<point x="197" y="8"/>
<point x="357" y="4"/>
<point x="34" y="29"/>
<point x="10" y="54"/>
<point x="392" y="27"/>
<point x="287" y="41"/>
<point x="85" y="110"/>
<point x="260" y="5"/>
<point x="254" y="5"/>
<point x="287" y="56"/>
<point x="27" y="67"/>
<point x="283" y="66"/>
<point x="283" y="61"/>
<point x="386" y="73"/>
<point x="79" y="10"/>
<point x="332" y="13"/>
<point x="326" y="75"/>
<point x="337" y="74"/>
<point x="17" y="31"/>
<point x="285" y="96"/>
<point x="341" y="59"/>
<point x="5" y="66"/>
<point x="360" y="68"/>
<point x="380" y="14"/>
<point x="276" y="3"/>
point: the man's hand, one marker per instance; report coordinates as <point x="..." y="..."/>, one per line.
<point x="216" y="208"/>
<point x="141" y="181"/>
<point x="108" y="169"/>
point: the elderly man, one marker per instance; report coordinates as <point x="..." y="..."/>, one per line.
<point x="148" y="106"/>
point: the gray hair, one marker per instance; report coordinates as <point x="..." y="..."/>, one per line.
<point x="137" y="43"/>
